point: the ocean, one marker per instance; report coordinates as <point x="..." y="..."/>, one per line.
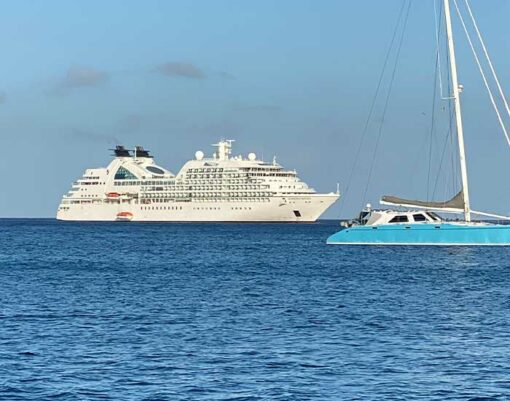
<point x="124" y="311"/>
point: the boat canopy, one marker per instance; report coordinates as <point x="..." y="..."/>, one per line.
<point x="456" y="204"/>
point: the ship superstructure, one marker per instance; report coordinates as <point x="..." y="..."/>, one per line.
<point x="220" y="188"/>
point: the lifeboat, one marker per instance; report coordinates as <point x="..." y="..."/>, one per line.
<point x="112" y="195"/>
<point x="124" y="216"/>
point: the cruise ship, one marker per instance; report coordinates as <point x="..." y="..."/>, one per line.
<point x="221" y="188"/>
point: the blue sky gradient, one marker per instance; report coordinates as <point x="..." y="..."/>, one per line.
<point x="288" y="78"/>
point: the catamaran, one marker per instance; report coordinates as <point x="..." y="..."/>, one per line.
<point x="417" y="222"/>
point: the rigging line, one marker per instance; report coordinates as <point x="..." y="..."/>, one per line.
<point x="449" y="136"/>
<point x="494" y="105"/>
<point x="432" y="121"/>
<point x="445" y="145"/>
<point x="372" y="106"/>
<point x="432" y="129"/>
<point x="480" y="38"/>
<point x="392" y="80"/>
<point x="453" y="139"/>
<point x="438" y="47"/>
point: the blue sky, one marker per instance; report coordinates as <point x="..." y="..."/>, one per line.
<point x="291" y="78"/>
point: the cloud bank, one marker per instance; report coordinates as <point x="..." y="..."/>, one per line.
<point x="83" y="76"/>
<point x="226" y="75"/>
<point x="181" y="70"/>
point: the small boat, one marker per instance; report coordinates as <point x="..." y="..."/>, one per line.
<point x="417" y="222"/>
<point x="417" y="227"/>
<point x="124" y="216"/>
<point x="112" y="195"/>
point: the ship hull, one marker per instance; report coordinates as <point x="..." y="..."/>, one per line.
<point x="294" y="209"/>
<point x="443" y="234"/>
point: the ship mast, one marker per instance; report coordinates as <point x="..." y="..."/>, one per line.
<point x="458" y="115"/>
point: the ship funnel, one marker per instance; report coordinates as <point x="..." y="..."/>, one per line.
<point x="121" y="151"/>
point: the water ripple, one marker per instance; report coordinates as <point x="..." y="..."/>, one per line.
<point x="245" y="312"/>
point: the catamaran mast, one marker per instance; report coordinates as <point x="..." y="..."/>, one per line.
<point x="458" y="114"/>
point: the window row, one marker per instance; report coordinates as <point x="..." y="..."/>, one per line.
<point x="205" y="170"/>
<point x="209" y="176"/>
<point x="89" y="183"/>
<point x="417" y="218"/>
<point x="144" y="183"/>
<point x="161" y="207"/>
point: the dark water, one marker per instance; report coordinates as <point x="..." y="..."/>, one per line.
<point x="245" y="312"/>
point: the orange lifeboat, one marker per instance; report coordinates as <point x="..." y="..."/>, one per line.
<point x="124" y="216"/>
<point x="112" y="195"/>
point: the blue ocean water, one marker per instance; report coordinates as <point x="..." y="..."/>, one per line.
<point x="246" y="312"/>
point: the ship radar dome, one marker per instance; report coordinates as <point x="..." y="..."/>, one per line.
<point x="199" y="155"/>
<point x="252" y="156"/>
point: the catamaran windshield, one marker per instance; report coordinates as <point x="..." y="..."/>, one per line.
<point x="434" y="216"/>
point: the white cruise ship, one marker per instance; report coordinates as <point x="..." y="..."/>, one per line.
<point x="220" y="188"/>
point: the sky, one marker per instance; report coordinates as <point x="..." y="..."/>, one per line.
<point x="293" y="79"/>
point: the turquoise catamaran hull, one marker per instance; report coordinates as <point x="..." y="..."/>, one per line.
<point x="424" y="234"/>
